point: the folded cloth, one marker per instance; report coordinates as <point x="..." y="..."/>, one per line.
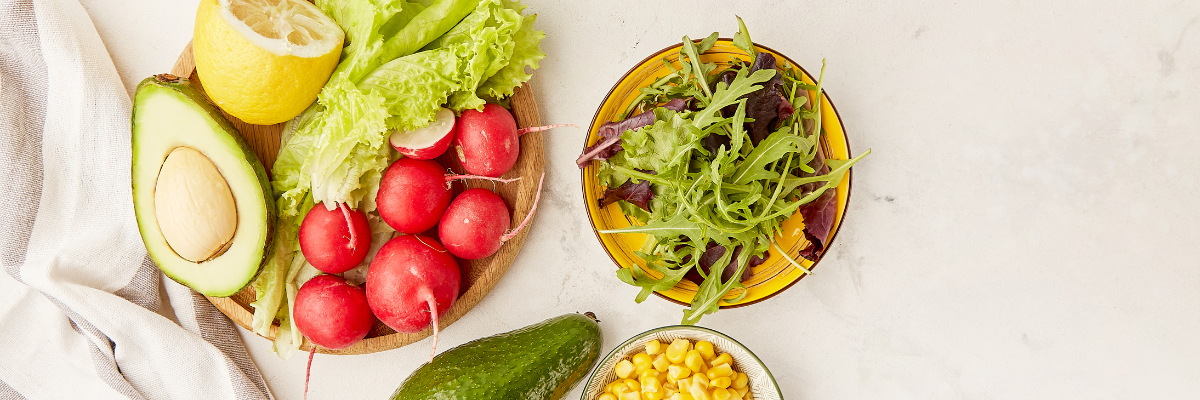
<point x="84" y="314"/>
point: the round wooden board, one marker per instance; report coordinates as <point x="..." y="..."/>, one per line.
<point x="478" y="276"/>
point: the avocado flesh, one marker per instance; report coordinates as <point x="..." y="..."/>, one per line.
<point x="538" y="362"/>
<point x="169" y="113"/>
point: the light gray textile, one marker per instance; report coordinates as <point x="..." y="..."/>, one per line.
<point x="82" y="310"/>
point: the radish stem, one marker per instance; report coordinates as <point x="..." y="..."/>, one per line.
<point x="349" y="225"/>
<point x="513" y="233"/>
<point x="312" y="349"/>
<point x="434" y="316"/>
<point x="523" y="131"/>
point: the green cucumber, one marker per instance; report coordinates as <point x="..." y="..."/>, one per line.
<point x="537" y="362"/>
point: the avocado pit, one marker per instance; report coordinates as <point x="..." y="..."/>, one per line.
<point x="194" y="206"/>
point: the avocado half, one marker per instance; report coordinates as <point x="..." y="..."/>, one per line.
<point x="172" y="119"/>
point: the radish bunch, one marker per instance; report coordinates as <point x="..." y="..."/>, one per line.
<point x="414" y="278"/>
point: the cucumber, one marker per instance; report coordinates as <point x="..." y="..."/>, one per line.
<point x="538" y="362"/>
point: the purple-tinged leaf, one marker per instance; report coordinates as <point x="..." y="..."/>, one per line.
<point x="638" y="194"/>
<point x="712" y="254"/>
<point x="610" y="133"/>
<point x="819" y="214"/>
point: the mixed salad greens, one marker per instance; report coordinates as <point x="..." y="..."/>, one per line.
<point x="715" y="162"/>
<point x="403" y="60"/>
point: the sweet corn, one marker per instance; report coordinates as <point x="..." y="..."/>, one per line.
<point x="661" y="363"/>
<point x="718" y="371"/>
<point x="694" y="361"/>
<point x="653" y="347"/>
<point x="651" y="384"/>
<point x="706" y="350"/>
<point x="677" y="350"/>
<point x="624" y="369"/>
<point x="678" y="371"/>
<point x="642" y="361"/>
<point x="740" y="381"/>
<point x="681" y="370"/>
<point x="670" y="389"/>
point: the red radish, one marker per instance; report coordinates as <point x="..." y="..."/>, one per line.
<point x="429" y="142"/>
<point x="332" y="313"/>
<point x="487" y="142"/>
<point x="334" y="241"/>
<point x="476" y="223"/>
<point x="412" y="282"/>
<point x="413" y="194"/>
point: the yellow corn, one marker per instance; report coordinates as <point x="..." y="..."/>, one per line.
<point x="620" y="389"/>
<point x="650" y="373"/>
<point x="706" y="350"/>
<point x="724" y="358"/>
<point x="699" y="394"/>
<point x="612" y="387"/>
<point x="740" y="381"/>
<point x="678" y="371"/>
<point x="683" y="396"/>
<point x="653" y="395"/>
<point x="651" y="384"/>
<point x="677" y="350"/>
<point x="718" y="371"/>
<point x="642" y="360"/>
<point x="694" y="361"/>
<point x="720" y="394"/>
<point x="633" y="385"/>
<point x="630" y="395"/>
<point x="661" y="363"/>
<point x="722" y="382"/>
<point x="683" y="385"/>
<point x="608" y="396"/>
<point x="624" y="369"/>
<point x="734" y="395"/>
<point x="743" y="391"/>
<point x="653" y="347"/>
<point x="700" y="380"/>
<point x="670" y="389"/>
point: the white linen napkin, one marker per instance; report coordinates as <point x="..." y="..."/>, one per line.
<point x="82" y="308"/>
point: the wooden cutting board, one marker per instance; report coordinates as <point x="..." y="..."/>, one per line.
<point x="479" y="276"/>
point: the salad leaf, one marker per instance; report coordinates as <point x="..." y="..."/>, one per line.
<point x="526" y="55"/>
<point x="712" y="184"/>
<point x="414" y="87"/>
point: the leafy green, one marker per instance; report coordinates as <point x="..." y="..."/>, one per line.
<point x="403" y="60"/>
<point x="711" y="183"/>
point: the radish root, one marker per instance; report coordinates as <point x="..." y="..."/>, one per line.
<point x="434" y="316"/>
<point x="523" y="131"/>
<point x="453" y="177"/>
<point x="418" y="237"/>
<point x="349" y="225"/>
<point x="312" y="349"/>
<point x="538" y="195"/>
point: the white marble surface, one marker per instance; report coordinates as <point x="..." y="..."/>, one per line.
<point x="1026" y="227"/>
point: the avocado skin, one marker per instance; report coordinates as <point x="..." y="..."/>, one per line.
<point x="184" y="86"/>
<point x="537" y="362"/>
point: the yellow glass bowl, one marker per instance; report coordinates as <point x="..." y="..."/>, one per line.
<point x="764" y="281"/>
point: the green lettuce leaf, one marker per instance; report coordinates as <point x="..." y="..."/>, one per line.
<point x="526" y="54"/>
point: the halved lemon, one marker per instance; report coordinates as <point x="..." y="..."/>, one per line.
<point x="264" y="61"/>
